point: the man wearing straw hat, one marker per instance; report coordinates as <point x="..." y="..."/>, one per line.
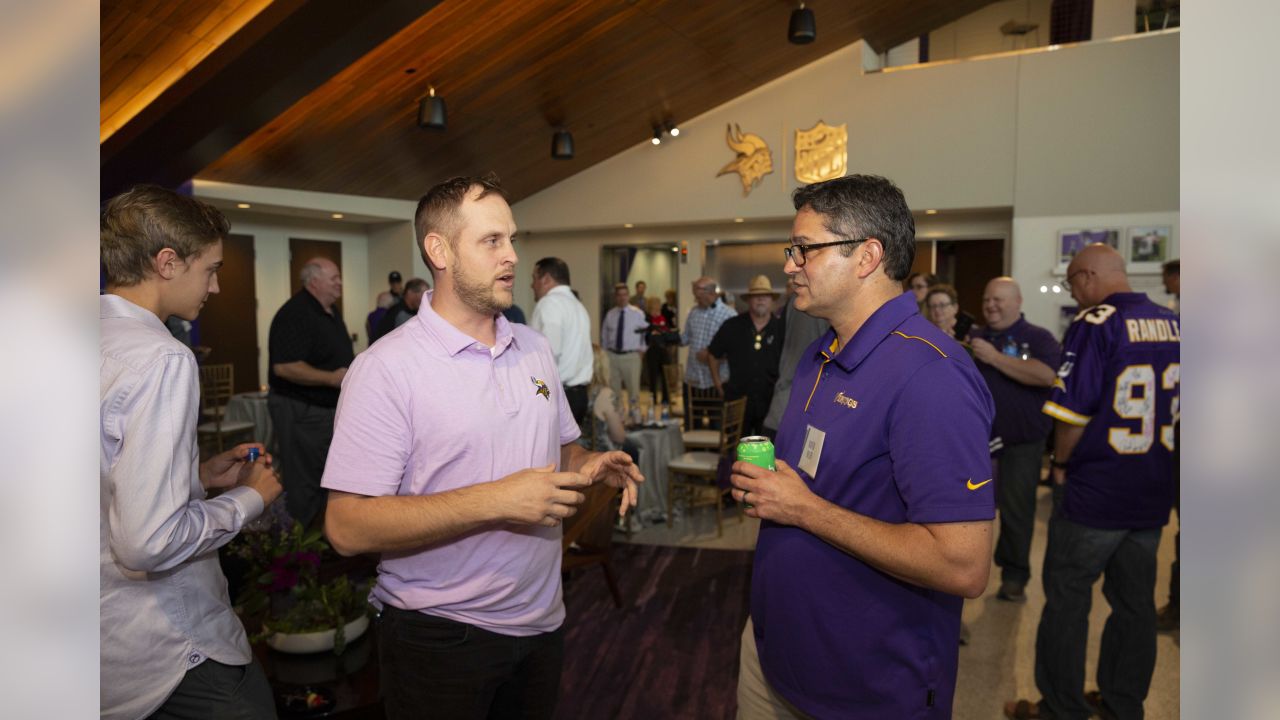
<point x="752" y="345"/>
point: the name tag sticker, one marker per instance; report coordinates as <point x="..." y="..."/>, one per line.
<point x="813" y="439"/>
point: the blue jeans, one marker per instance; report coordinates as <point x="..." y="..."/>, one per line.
<point x="1077" y="555"/>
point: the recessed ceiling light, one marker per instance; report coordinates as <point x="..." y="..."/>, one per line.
<point x="628" y="225"/>
<point x="338" y="216"/>
<point x="243" y="206"/>
<point x="930" y="212"/>
<point x="739" y="220"/>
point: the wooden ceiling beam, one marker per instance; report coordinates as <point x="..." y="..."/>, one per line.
<point x="289" y="50"/>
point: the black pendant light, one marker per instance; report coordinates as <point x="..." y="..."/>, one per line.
<point x="431" y="112"/>
<point x="803" y="29"/>
<point x="562" y="145"/>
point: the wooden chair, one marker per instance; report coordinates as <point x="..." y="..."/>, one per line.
<point x="692" y="476"/>
<point x="216" y="388"/>
<point x="701" y="418"/>
<point x="675" y="380"/>
<point x="588" y="535"/>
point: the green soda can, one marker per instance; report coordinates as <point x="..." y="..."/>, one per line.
<point x="757" y="450"/>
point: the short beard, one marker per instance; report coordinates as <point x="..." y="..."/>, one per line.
<point x="476" y="295"/>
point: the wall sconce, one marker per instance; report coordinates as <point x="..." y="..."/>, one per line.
<point x="431" y="111"/>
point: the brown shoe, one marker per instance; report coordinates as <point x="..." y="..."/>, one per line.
<point x="1012" y="591"/>
<point x="1167" y="618"/>
<point x="1022" y="710"/>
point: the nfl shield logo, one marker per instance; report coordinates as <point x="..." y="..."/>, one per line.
<point x="822" y="152"/>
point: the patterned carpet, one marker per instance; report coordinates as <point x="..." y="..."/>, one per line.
<point x="658" y="656"/>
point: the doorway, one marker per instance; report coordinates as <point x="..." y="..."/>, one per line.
<point x="229" y="321"/>
<point x="654" y="265"/>
<point x="968" y="265"/>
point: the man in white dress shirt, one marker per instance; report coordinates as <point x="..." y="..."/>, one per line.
<point x="622" y="334"/>
<point x="560" y="316"/>
<point x="171" y="646"/>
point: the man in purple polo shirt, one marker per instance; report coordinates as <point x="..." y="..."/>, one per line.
<point x="1115" y="407"/>
<point x="453" y="455"/>
<point x="1018" y="361"/>
<point x="878" y="519"/>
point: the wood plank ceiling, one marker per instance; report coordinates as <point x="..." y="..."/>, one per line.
<point x="511" y="72"/>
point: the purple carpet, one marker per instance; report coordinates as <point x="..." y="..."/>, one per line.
<point x="671" y="651"/>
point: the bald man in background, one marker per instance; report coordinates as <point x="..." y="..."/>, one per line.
<point x="310" y="351"/>
<point x="1018" y="361"/>
<point x="1115" y="406"/>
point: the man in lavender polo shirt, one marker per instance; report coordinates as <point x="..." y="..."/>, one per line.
<point x="454" y="457"/>
<point x="878" y="519"/>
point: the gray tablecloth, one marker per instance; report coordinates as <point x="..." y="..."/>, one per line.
<point x="252" y="407"/>
<point x="657" y="447"/>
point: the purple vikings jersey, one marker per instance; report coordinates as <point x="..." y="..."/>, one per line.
<point x="1119" y="380"/>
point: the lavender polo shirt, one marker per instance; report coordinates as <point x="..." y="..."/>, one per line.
<point x="429" y="409"/>
<point x="907" y="418"/>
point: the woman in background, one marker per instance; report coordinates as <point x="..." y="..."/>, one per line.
<point x="943" y="305"/>
<point x="656" y="355"/>
<point x="607" y="429"/>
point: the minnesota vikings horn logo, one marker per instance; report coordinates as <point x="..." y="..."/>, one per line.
<point x="754" y="160"/>
<point x="542" y="388"/>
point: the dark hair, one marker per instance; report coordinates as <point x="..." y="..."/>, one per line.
<point x="136" y="225"/>
<point x="929" y="278"/>
<point x="1173" y="267"/>
<point x="858" y="206"/>
<point x="553" y="266"/>
<point x="438" y="210"/>
<point x="417" y="285"/>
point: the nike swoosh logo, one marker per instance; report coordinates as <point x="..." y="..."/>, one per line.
<point x="970" y="484"/>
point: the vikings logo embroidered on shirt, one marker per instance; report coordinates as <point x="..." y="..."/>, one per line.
<point x="542" y="388"/>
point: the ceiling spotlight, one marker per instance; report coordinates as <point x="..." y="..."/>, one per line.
<point x="738" y="220"/>
<point x="1044" y="288"/>
<point x="243" y="206"/>
<point x="628" y="225"/>
<point x="562" y="145"/>
<point x="930" y="212"/>
<point x="338" y="216"/>
<point x="431" y="113"/>
<point x="803" y="28"/>
<point x="1057" y="288"/>
<point x="671" y="129"/>
<point x="657" y="136"/>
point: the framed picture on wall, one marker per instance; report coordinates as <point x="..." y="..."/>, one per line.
<point x="1149" y="247"/>
<point x="1073" y="241"/>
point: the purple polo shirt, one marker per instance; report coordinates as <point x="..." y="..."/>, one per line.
<point x="1018" y="417"/>
<point x="429" y="409"/>
<point x="907" y="418"/>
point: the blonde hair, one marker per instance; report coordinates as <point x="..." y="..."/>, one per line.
<point x="653" y="305"/>
<point x="599" y="366"/>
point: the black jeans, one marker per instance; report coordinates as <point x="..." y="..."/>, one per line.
<point x="439" y="668"/>
<point x="1019" y="475"/>
<point x="577" y="398"/>
<point x="303" y="433"/>
<point x="223" y="692"/>
<point x="1077" y="555"/>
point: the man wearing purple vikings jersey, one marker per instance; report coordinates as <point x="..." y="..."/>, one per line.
<point x="877" y="521"/>
<point x="1115" y="404"/>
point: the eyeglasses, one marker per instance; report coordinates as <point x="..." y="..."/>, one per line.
<point x="1067" y="281"/>
<point x="796" y="253"/>
<point x="940" y="306"/>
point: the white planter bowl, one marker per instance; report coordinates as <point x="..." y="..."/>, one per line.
<point x="314" y="642"/>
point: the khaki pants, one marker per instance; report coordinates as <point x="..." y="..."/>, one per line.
<point x="756" y="700"/>
<point x="624" y="369"/>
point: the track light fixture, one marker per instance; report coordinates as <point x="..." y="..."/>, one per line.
<point x="803" y="28"/>
<point x="562" y="145"/>
<point x="657" y="135"/>
<point x="431" y="111"/>
<point x="672" y="130"/>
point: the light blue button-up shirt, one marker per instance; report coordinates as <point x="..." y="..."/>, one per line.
<point x="163" y="599"/>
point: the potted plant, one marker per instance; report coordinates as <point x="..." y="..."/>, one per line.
<point x="300" y="611"/>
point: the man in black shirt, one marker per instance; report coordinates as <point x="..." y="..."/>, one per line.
<point x="752" y="343"/>
<point x="310" y="351"/>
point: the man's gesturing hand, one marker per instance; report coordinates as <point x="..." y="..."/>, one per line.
<point x="615" y="469"/>
<point x="542" y="497"/>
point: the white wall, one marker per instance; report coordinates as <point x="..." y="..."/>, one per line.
<point x="1112" y="18"/>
